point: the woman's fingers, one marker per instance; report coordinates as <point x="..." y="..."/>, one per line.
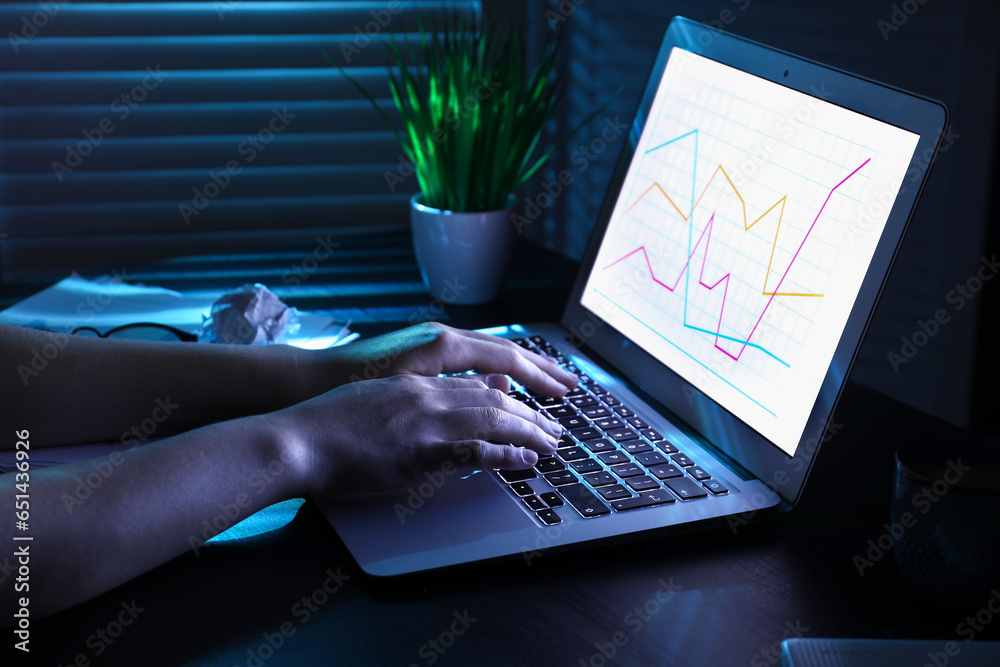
<point x="488" y="400"/>
<point x="490" y="354"/>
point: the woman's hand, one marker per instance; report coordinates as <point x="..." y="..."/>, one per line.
<point x="431" y="348"/>
<point x="378" y="434"/>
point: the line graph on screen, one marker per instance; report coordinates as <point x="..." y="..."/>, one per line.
<point x="731" y="254"/>
<point x="704" y="241"/>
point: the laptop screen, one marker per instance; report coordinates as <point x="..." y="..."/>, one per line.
<point x="741" y="236"/>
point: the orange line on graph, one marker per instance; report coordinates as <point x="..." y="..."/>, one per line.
<point x="746" y="226"/>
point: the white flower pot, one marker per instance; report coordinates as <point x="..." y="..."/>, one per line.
<point x="463" y="257"/>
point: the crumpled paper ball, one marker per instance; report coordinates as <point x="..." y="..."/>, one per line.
<point x="250" y="315"/>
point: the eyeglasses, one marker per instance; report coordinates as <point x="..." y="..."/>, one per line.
<point x="139" y="331"/>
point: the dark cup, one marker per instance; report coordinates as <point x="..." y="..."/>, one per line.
<point x="946" y="518"/>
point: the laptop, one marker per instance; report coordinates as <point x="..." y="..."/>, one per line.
<point x="746" y="234"/>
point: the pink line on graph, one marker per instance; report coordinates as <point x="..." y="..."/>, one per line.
<point x="704" y="260"/>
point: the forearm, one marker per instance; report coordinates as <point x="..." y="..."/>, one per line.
<point x="153" y="503"/>
<point x="91" y="390"/>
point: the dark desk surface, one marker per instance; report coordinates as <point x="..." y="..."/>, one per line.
<point x="738" y="592"/>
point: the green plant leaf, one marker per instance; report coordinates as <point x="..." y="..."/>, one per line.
<point x="473" y="112"/>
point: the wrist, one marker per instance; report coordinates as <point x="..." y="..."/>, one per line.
<point x="286" y="455"/>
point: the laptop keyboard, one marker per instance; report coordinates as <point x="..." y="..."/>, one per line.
<point x="609" y="460"/>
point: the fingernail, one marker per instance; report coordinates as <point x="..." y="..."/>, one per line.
<point x="555" y="428"/>
<point x="529" y="457"/>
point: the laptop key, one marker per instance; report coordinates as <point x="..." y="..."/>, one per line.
<point x="586" y="433"/>
<point x="560" y="411"/>
<point x="610" y="400"/>
<point x="636" y="422"/>
<point x="682" y="460"/>
<point x="613" y="458"/>
<point x="576" y="391"/>
<point x="647" y="499"/>
<point x="565" y="441"/>
<point x="521" y="342"/>
<point x="715" y="486"/>
<point x="560" y="478"/>
<point x="598" y="389"/>
<point x="572" y="454"/>
<point x="549" y="465"/>
<point x="570" y="423"/>
<point x="666" y="447"/>
<point x="686" y="488"/>
<point x="614" y="492"/>
<point x="665" y="472"/>
<point x="651" y="458"/>
<point x="548" y="402"/>
<point x="598" y="446"/>
<point x="636" y="446"/>
<point x="584" y="501"/>
<point x="521" y="489"/>
<point x="698" y="473"/>
<point x="534" y="503"/>
<point x="651" y="434"/>
<point x="595" y="412"/>
<point x="552" y="499"/>
<point x="511" y="476"/>
<point x="548" y="517"/>
<point x="623" y="434"/>
<point x="585" y="466"/>
<point x="627" y="470"/>
<point x="642" y="483"/>
<point x="584" y="401"/>
<point x="599" y="479"/>
<point x="608" y="423"/>
<point x="624" y="412"/>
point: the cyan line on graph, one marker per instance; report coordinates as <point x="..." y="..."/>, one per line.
<point x="687" y="354"/>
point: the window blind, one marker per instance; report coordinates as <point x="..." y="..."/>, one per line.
<point x="136" y="130"/>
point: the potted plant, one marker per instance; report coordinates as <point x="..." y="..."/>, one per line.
<point x="473" y="112"/>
